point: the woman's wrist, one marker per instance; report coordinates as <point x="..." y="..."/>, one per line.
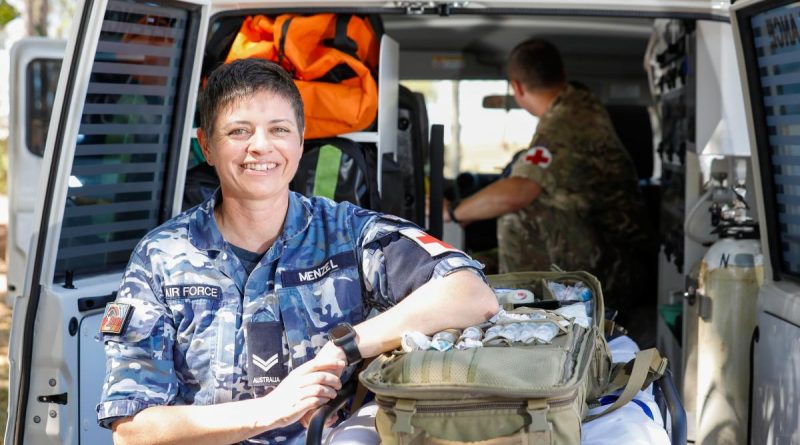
<point x="451" y="211"/>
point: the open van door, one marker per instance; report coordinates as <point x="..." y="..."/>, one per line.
<point x="768" y="48"/>
<point x="36" y="63"/>
<point x="113" y="169"/>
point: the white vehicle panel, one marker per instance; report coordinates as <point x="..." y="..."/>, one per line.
<point x="46" y="345"/>
<point x="24" y="165"/>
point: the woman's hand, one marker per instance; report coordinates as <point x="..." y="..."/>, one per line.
<point x="328" y="353"/>
<point x="304" y="390"/>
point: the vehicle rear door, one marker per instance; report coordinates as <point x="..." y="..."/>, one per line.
<point x="113" y="169"/>
<point x="36" y="63"/>
<point x="768" y="49"/>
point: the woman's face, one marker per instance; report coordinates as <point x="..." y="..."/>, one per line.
<point x="255" y="146"/>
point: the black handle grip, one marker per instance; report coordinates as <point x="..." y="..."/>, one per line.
<point x="317" y="423"/>
<point x="435" y="223"/>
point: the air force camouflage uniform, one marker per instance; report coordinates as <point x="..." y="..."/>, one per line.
<point x="590" y="214"/>
<point x="195" y="312"/>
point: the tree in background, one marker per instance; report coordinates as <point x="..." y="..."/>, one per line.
<point x="7" y="13"/>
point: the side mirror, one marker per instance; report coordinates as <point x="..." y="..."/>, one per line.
<point x="500" y="102"/>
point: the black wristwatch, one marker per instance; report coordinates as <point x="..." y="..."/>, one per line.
<point x="344" y="336"/>
<point x="451" y="211"/>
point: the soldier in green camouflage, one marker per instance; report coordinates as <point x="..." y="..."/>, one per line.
<point x="572" y="198"/>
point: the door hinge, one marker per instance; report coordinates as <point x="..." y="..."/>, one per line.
<point x="59" y="399"/>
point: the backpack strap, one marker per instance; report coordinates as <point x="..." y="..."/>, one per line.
<point x="326" y="176"/>
<point x="361" y="390"/>
<point x="340" y="40"/>
<point x="637" y="375"/>
<point x="282" y="41"/>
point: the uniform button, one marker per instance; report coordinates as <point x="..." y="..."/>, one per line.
<point x="224" y="256"/>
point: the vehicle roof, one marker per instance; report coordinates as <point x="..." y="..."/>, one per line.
<point x="650" y="8"/>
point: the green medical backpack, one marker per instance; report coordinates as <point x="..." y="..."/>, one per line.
<point x="520" y="394"/>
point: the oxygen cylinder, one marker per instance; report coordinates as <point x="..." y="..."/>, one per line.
<point x="730" y="274"/>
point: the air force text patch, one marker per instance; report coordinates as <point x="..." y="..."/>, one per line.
<point x="116" y="318"/>
<point x="192" y="291"/>
<point x="433" y="246"/>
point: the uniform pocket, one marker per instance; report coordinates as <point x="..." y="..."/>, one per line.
<point x="319" y="298"/>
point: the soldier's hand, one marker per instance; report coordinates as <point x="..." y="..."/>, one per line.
<point x="304" y="390"/>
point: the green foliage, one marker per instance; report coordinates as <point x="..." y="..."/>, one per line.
<point x="7" y="13"/>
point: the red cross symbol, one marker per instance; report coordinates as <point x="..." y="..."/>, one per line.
<point x="540" y="156"/>
<point x="427" y="239"/>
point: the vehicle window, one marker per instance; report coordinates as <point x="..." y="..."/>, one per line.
<point x="477" y="139"/>
<point x="41" y="80"/>
<point x="126" y="139"/>
<point x="776" y="118"/>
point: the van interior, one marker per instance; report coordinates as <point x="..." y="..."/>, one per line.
<point x="445" y="69"/>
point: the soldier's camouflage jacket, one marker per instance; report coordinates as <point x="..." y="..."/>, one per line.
<point x="192" y="302"/>
<point x="590" y="214"/>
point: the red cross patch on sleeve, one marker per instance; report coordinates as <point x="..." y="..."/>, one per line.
<point x="433" y="246"/>
<point x="539" y="156"/>
<point x="116" y="318"/>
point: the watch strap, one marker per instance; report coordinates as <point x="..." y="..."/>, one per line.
<point x="350" y="349"/>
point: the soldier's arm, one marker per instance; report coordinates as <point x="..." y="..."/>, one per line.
<point x="306" y="388"/>
<point x="503" y="196"/>
<point x="423" y="284"/>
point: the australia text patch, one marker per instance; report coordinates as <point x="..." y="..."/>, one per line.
<point x="320" y="271"/>
<point x="265" y="365"/>
<point x="432" y="245"/>
<point x="116" y="318"/>
<point x="192" y="291"/>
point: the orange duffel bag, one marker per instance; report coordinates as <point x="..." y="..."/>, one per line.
<point x="332" y="58"/>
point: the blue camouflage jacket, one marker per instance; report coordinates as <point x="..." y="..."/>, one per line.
<point x="191" y="299"/>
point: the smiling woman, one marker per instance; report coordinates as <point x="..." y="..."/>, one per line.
<point x="229" y="306"/>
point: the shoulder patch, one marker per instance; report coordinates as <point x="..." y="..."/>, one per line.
<point x="538" y="155"/>
<point x="433" y="246"/>
<point x="116" y="318"/>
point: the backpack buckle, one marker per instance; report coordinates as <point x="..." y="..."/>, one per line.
<point x="538" y="409"/>
<point x="404" y="410"/>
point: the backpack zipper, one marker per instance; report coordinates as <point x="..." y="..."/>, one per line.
<point x="475" y="406"/>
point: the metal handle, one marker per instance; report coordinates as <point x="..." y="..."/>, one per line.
<point x="676" y="411"/>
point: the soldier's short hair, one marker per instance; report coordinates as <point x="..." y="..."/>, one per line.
<point x="536" y="63"/>
<point x="242" y="78"/>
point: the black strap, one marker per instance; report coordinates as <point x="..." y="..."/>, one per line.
<point x="219" y="45"/>
<point x="282" y="42"/>
<point x="340" y="39"/>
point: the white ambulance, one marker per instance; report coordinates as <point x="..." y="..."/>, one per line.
<point x="706" y="97"/>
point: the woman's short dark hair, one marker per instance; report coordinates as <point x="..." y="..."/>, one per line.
<point x="536" y="63"/>
<point x="242" y="78"/>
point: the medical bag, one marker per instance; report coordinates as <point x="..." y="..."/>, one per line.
<point x="521" y="393"/>
<point x="333" y="59"/>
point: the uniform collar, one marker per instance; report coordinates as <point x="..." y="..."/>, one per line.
<point x="562" y="96"/>
<point x="204" y="233"/>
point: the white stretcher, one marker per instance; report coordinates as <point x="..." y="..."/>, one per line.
<point x="641" y="421"/>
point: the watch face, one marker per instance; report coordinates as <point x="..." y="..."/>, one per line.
<point x="341" y="331"/>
